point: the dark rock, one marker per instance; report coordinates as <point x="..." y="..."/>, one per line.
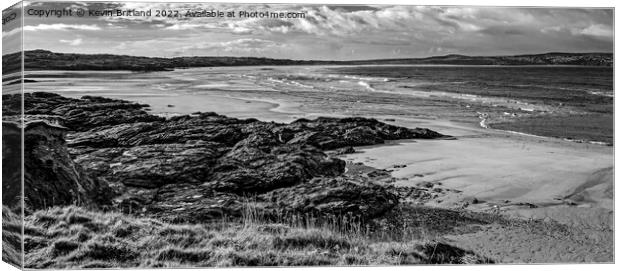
<point x="425" y="184"/>
<point x="471" y="200"/>
<point x="337" y="196"/>
<point x="331" y="133"/>
<point x="205" y="127"/>
<point x="50" y="175"/>
<point x="379" y="173"/>
<point x="530" y="205"/>
<point x="442" y="253"/>
<point x="193" y="204"/>
<point x="77" y="114"/>
<point x="152" y="166"/>
<point x="345" y="150"/>
<point x="412" y="194"/>
<point x="11" y="165"/>
<point x="261" y="163"/>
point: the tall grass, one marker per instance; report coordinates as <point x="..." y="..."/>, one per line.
<point x="11" y="237"/>
<point x="74" y="237"/>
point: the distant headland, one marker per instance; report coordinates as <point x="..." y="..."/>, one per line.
<point x="47" y="60"/>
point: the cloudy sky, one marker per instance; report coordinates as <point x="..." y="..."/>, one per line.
<point x="326" y="32"/>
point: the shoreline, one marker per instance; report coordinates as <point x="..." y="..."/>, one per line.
<point x="468" y="136"/>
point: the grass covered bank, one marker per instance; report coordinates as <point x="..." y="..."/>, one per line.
<point x="73" y="237"/>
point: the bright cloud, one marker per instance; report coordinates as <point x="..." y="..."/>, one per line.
<point x="74" y="42"/>
<point x="11" y="33"/>
<point x="42" y="27"/>
<point x="598" y="30"/>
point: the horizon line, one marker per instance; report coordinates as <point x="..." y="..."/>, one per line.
<point x="353" y="60"/>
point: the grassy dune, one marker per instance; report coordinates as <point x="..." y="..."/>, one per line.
<point x="73" y="237"/>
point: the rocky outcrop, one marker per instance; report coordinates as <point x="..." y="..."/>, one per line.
<point x="332" y="133"/>
<point x="50" y="175"/>
<point x="11" y="165"/>
<point x="77" y="114"/>
<point x="336" y="196"/>
<point x="197" y="167"/>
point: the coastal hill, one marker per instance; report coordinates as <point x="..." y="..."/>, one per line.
<point x="46" y="60"/>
